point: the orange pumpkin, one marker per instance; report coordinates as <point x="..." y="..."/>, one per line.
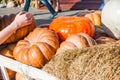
<point x="37" y="48"/>
<point x="67" y="25"/>
<point x="95" y="17"/>
<point x="8" y="52"/>
<point x="79" y="40"/>
<point x="20" y="33"/>
<point x="98" y="12"/>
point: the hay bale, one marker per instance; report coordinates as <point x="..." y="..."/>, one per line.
<point x="100" y="62"/>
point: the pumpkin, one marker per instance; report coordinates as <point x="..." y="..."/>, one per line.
<point x="110" y="18"/>
<point x="64" y="26"/>
<point x="99" y="31"/>
<point x="98" y="12"/>
<point x="101" y="37"/>
<point x="95" y="17"/>
<point x="20" y="33"/>
<point x="79" y="40"/>
<point x="37" y="48"/>
<point x="8" y="52"/>
<point x="104" y="40"/>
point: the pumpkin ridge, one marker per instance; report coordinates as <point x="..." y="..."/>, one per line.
<point x="67" y="45"/>
<point x="70" y="39"/>
<point x="79" y="40"/>
<point x="40" y="50"/>
<point x="51" y="41"/>
<point x="85" y="41"/>
<point x="90" y="40"/>
<point x="44" y="52"/>
<point x="37" y="61"/>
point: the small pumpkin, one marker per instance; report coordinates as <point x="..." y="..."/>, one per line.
<point x="64" y="26"/>
<point x="8" y="52"/>
<point x="95" y="17"/>
<point x="79" y="40"/>
<point x="20" y="33"/>
<point x="37" y="48"/>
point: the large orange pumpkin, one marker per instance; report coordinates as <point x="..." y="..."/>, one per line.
<point x="95" y="17"/>
<point x="79" y="40"/>
<point x="20" y="33"/>
<point x="67" y="25"/>
<point x="37" y="48"/>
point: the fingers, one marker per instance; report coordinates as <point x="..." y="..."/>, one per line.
<point x="27" y="22"/>
<point x="25" y="14"/>
<point x="21" y="12"/>
<point x="28" y="16"/>
<point x="23" y="18"/>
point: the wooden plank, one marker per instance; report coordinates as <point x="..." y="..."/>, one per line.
<point x="33" y="72"/>
<point x="4" y="73"/>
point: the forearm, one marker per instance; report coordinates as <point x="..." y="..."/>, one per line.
<point x="22" y="19"/>
<point x="7" y="32"/>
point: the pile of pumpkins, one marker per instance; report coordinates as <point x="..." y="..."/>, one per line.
<point x="36" y="45"/>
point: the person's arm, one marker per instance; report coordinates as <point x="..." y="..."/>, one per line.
<point x="20" y="20"/>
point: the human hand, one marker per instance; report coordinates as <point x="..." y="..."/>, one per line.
<point x="23" y="19"/>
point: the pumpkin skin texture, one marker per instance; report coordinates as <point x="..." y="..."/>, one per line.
<point x="101" y="37"/>
<point x="67" y="25"/>
<point x="99" y="31"/>
<point x="98" y="12"/>
<point x="37" y="48"/>
<point x="95" y="17"/>
<point x="79" y="40"/>
<point x="8" y="51"/>
<point x="110" y="18"/>
<point x="104" y="40"/>
<point x="20" y="33"/>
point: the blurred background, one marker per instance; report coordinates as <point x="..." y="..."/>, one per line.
<point x="65" y="4"/>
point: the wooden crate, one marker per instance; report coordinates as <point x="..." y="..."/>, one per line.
<point x="30" y="71"/>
